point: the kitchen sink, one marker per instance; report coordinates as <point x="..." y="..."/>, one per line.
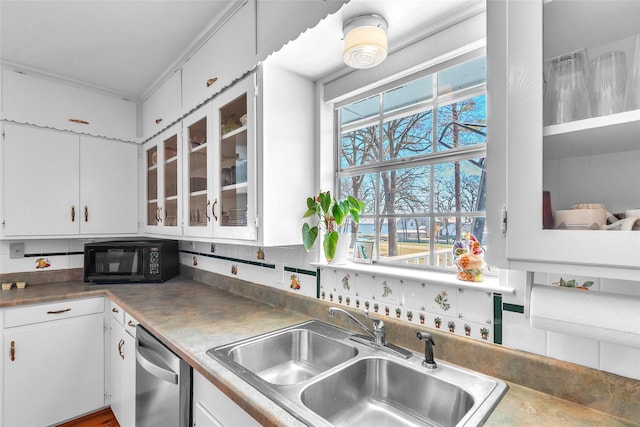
<point x="323" y="376"/>
<point x="376" y="391"/>
<point x="291" y="356"/>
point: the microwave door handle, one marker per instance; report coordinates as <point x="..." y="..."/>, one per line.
<point x="155" y="370"/>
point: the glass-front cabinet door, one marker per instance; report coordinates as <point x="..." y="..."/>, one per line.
<point x="571" y="134"/>
<point x="162" y="178"/>
<point x="234" y="205"/>
<point x="197" y="131"/>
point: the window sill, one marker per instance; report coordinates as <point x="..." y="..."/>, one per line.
<point x="490" y="283"/>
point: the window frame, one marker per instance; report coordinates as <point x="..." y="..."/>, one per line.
<point x="425" y="159"/>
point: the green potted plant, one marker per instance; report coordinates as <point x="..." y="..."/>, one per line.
<point x="334" y="218"/>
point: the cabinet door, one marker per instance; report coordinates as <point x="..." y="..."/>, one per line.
<point x="212" y="408"/>
<point x="162" y="180"/>
<point x="234" y="205"/>
<point x="123" y="375"/>
<point x="589" y="160"/>
<point x="55" y="371"/>
<point x="163" y="107"/>
<point x="108" y="186"/>
<point x="41" y="172"/>
<point x="28" y="99"/>
<point x="226" y="56"/>
<point x="198" y="174"/>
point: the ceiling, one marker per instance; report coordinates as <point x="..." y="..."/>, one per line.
<point x="129" y="47"/>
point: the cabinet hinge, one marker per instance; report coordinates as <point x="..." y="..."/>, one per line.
<point x="104" y="396"/>
<point x="503" y="223"/>
<point x="104" y="325"/>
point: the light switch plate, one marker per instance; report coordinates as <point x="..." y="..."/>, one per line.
<point x="16" y="250"/>
<point x="280" y="273"/>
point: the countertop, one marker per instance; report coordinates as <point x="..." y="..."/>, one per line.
<point x="190" y="317"/>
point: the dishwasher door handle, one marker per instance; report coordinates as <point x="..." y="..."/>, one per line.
<point x="155" y="370"/>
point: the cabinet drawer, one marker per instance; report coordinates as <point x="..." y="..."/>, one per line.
<point x="117" y="313"/>
<point x="20" y="316"/>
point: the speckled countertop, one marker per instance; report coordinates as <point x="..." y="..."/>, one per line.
<point x="190" y="317"/>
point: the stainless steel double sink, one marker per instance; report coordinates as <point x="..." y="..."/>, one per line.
<point x="322" y="377"/>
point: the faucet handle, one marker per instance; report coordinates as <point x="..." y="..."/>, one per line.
<point x="428" y="361"/>
<point x="378" y="324"/>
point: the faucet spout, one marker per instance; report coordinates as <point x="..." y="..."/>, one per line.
<point x="378" y="332"/>
<point x="428" y="361"/>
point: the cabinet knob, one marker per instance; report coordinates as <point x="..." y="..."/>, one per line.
<point x="115" y="310"/>
<point x="73" y="213"/>
<point x="206" y="211"/>
<point x="211" y="81"/>
<point x="58" y="311"/>
<point x="130" y="323"/>
<point x="158" y="121"/>
<point x="79" y="121"/>
<point x="12" y="351"/>
<point x="86" y="214"/>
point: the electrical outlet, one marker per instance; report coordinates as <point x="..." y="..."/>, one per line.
<point x="280" y="273"/>
<point x="16" y="250"/>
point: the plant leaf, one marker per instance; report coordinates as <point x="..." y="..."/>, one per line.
<point x="338" y="213"/>
<point x="309" y="236"/>
<point x="330" y="243"/>
<point x="587" y="284"/>
<point x="310" y="212"/>
<point x="325" y="201"/>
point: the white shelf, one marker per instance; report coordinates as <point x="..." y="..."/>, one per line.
<point x="240" y="187"/>
<point x="233" y="132"/>
<point x="599" y="135"/>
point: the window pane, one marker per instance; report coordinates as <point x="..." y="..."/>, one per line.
<point x="360" y="110"/>
<point x="408" y="136"/>
<point x="457" y="186"/>
<point x="409" y="94"/>
<point x="359" y="147"/>
<point x="405" y="191"/>
<point x="362" y="187"/>
<point x="467" y="74"/>
<point x="462" y="123"/>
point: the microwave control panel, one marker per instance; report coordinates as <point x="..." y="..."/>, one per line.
<point x="154" y="262"/>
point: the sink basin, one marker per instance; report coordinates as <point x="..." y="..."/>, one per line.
<point x="377" y="391"/>
<point x="322" y="377"/>
<point x="289" y="356"/>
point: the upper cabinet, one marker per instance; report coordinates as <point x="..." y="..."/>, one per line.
<point x="62" y="184"/>
<point x="33" y="100"/>
<point x="226" y="56"/>
<point x="238" y="153"/>
<point x="163" y="107"/>
<point x="564" y="121"/>
<point x="279" y="22"/>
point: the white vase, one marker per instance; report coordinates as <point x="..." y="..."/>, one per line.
<point x="342" y="249"/>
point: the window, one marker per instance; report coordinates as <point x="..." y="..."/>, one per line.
<point x="414" y="152"/>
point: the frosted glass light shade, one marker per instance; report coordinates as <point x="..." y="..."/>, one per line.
<point x="365" y="41"/>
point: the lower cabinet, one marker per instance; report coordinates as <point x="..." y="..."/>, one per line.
<point x="53" y="365"/>
<point x="212" y="408"/>
<point x="122" y="359"/>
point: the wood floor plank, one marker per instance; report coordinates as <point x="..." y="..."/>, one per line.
<point x="102" y="418"/>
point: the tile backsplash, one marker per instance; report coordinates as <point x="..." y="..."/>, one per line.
<point x="494" y="317"/>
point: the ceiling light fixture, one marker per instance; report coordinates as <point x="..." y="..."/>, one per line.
<point x="365" y="41"/>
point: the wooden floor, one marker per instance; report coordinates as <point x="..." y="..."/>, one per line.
<point x="102" y="418"/>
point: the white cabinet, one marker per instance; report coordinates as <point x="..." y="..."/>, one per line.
<point x="122" y="359"/>
<point x="45" y="103"/>
<point x="226" y="56"/>
<point x="162" y="182"/>
<point x="584" y="161"/>
<point x="282" y="21"/>
<point x="61" y="184"/>
<point x="212" y="408"/>
<point x="163" y="107"/>
<point x="53" y="368"/>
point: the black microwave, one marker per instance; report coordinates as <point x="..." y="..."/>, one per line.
<point x="127" y="261"/>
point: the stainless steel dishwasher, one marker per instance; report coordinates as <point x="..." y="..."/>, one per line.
<point x="163" y="384"/>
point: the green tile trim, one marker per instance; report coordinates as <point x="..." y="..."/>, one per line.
<point x="497" y="318"/>
<point x="513" y="308"/>
<point x="301" y="271"/>
<point x="318" y="283"/>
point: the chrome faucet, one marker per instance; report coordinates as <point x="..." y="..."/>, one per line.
<point x="428" y="361"/>
<point x="378" y="332"/>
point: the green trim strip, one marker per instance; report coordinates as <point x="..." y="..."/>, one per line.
<point x="497" y="318"/>
<point x="513" y="308"/>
